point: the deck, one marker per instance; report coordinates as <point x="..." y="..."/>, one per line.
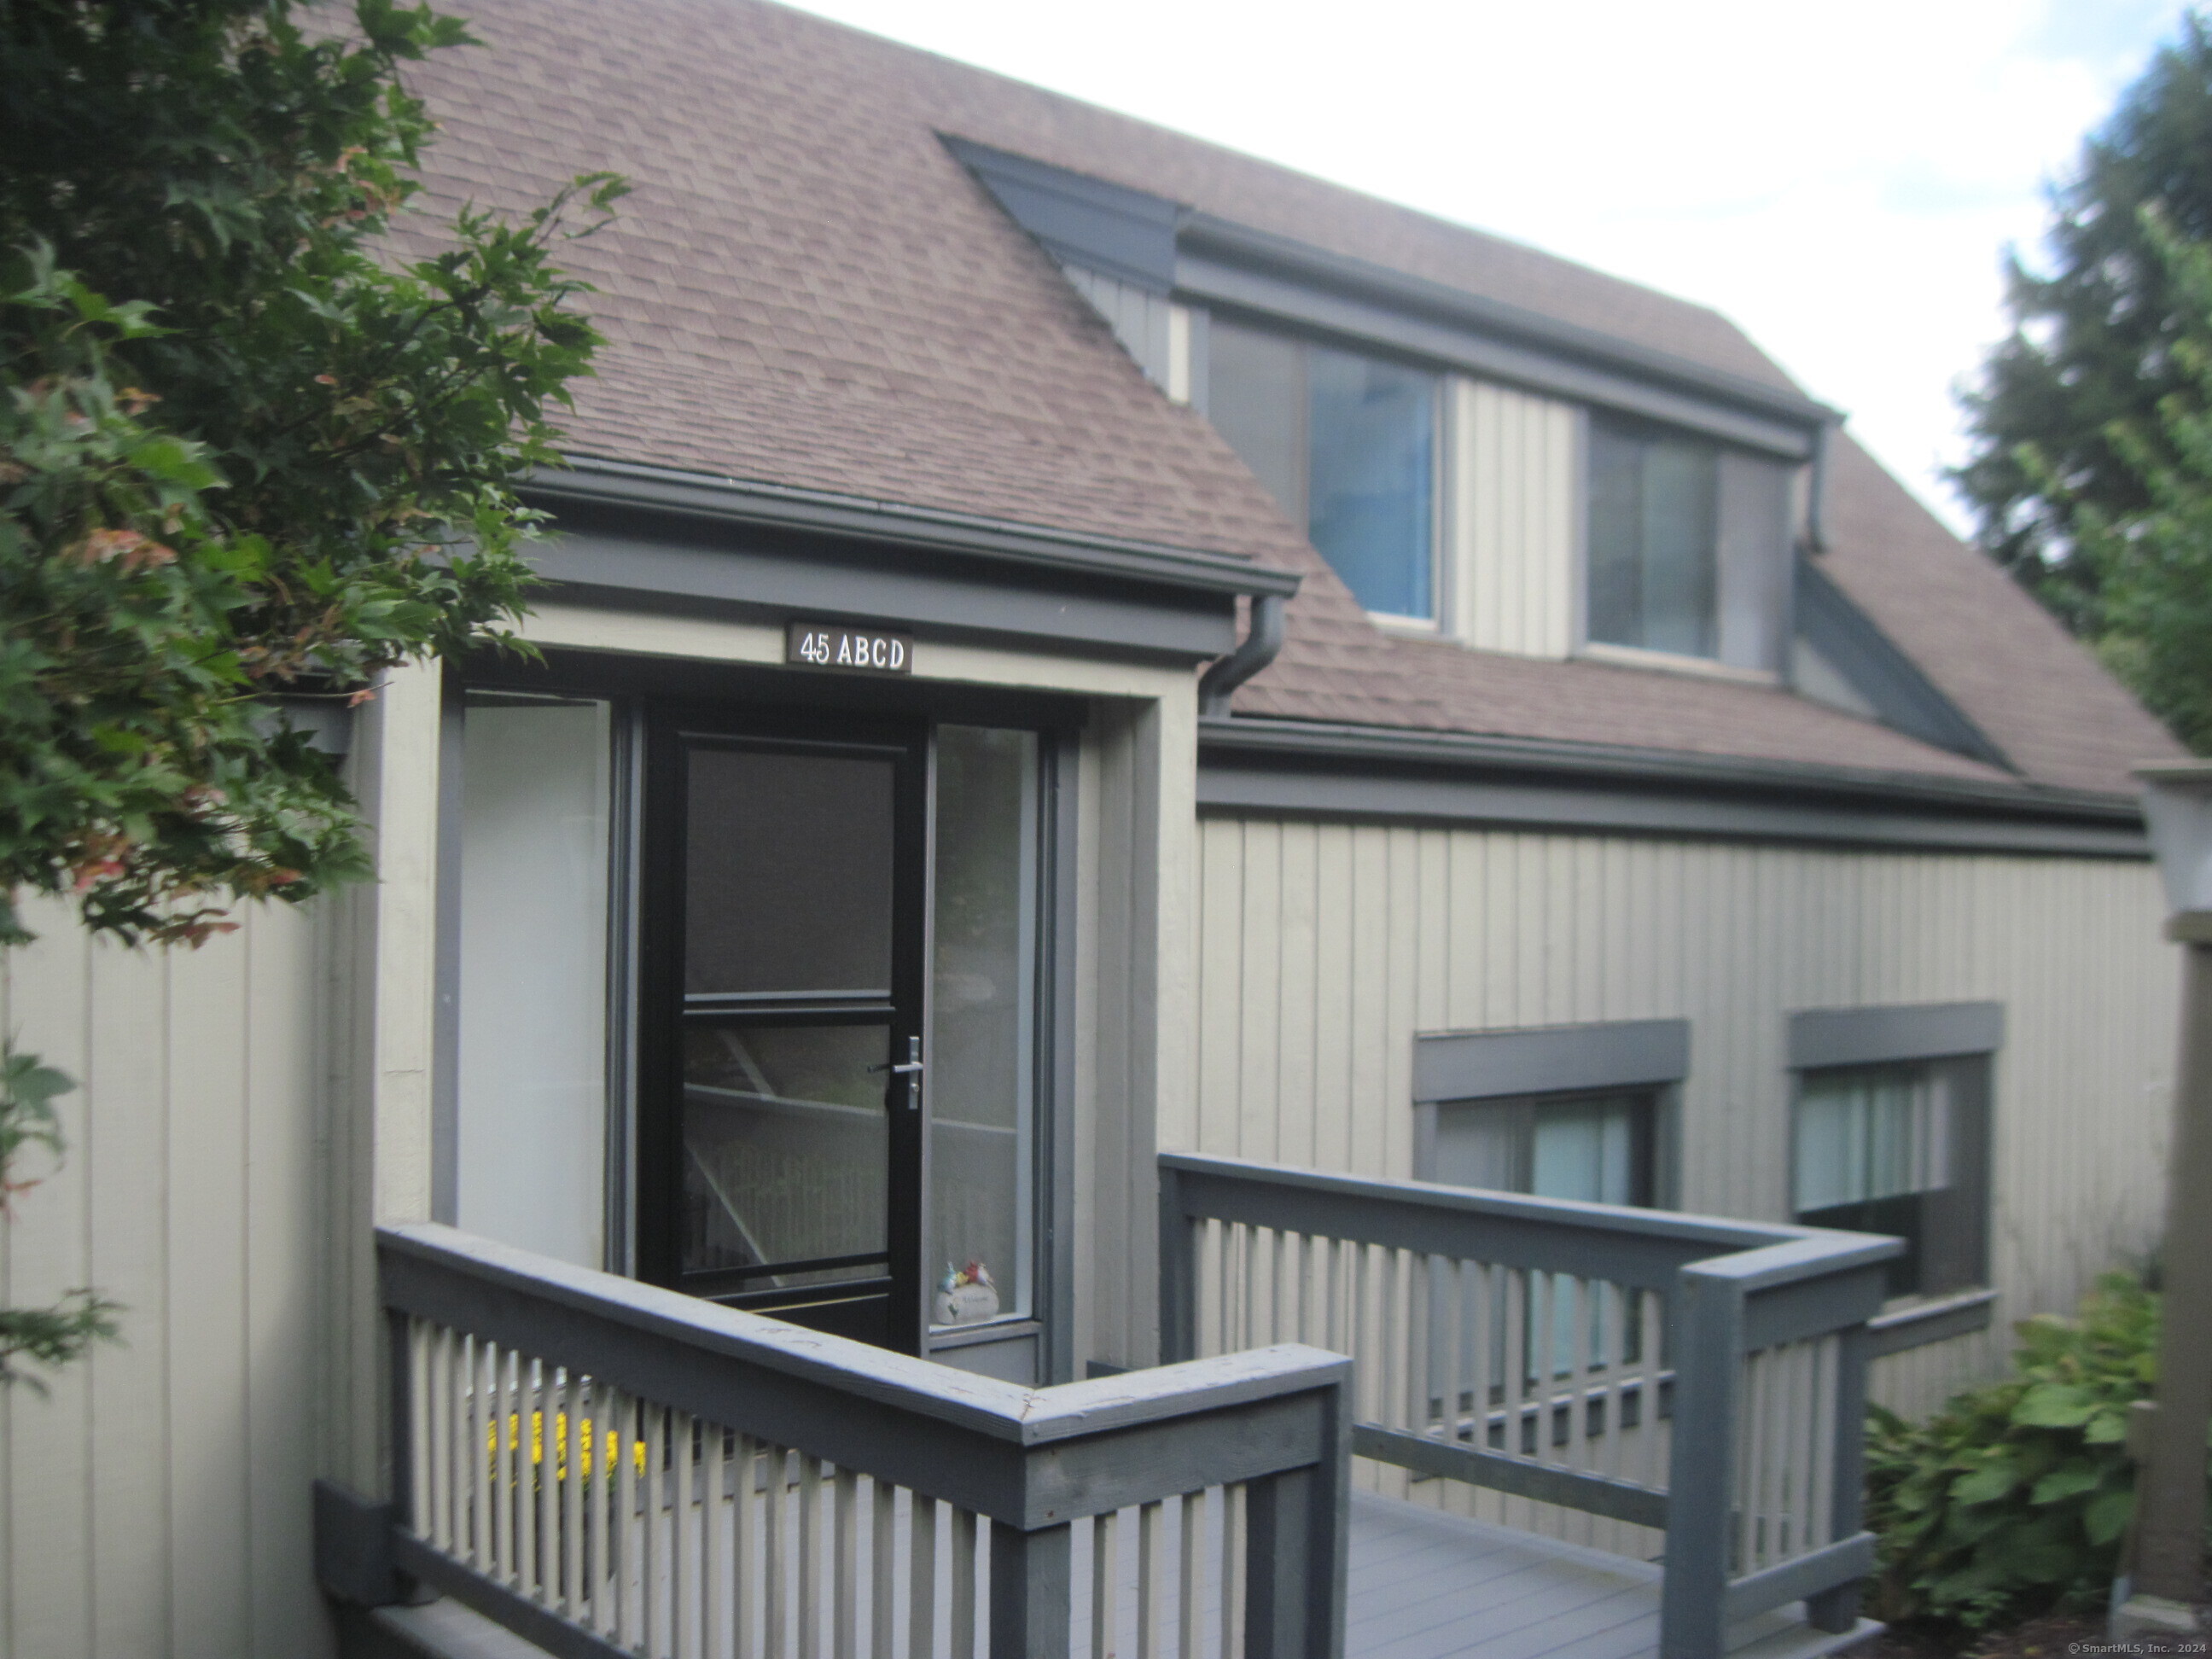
<point x="1427" y="1585"/>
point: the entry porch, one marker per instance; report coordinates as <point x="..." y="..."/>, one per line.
<point x="1561" y="1429"/>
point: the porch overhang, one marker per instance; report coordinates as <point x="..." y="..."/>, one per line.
<point x="627" y="536"/>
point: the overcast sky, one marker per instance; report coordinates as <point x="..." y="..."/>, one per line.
<point x="1841" y="181"/>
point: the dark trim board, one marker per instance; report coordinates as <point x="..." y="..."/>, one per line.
<point x="1285" y="769"/>
<point x="1127" y="234"/>
<point x="1550" y="1060"/>
<point x="730" y="501"/>
<point x="1370" y="312"/>
<point x="1876" y="1036"/>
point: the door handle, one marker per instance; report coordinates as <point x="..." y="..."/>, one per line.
<point x="910" y="1067"/>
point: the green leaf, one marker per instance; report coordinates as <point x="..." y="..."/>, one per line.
<point x="2055" y="1407"/>
<point x="1993" y="1480"/>
<point x="2106" y="1516"/>
<point x="2067" y="1482"/>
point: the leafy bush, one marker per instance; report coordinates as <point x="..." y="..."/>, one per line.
<point x="2014" y="1497"/>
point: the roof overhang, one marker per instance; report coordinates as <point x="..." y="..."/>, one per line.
<point x="1293" y="768"/>
<point x="628" y="535"/>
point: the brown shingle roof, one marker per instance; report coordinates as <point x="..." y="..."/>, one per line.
<point x="805" y="288"/>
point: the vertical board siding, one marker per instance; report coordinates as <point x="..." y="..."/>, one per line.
<point x="155" y="1501"/>
<point x="1140" y="321"/>
<point x="1324" y="948"/>
<point x="1511" y="520"/>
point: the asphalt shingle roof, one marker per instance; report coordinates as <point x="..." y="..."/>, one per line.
<point x="805" y="288"/>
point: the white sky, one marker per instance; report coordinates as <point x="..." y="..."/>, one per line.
<point x="1840" y="181"/>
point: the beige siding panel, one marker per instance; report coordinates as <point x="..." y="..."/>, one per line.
<point x="156" y="1502"/>
<point x="49" y="1496"/>
<point x="1510" y="520"/>
<point x="1325" y="947"/>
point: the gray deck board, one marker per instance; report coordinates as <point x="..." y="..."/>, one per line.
<point x="1427" y="1585"/>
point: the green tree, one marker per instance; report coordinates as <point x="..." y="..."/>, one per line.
<point x="246" y="450"/>
<point x="2093" y="337"/>
<point x="2152" y="565"/>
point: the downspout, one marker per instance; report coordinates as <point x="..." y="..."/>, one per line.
<point x="1262" y="640"/>
<point x="1816" y="493"/>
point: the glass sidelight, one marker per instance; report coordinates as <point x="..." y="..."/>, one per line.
<point x="983" y="994"/>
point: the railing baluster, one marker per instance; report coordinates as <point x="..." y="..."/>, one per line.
<point x="1105" y="1584"/>
<point x="965" y="1522"/>
<point x="1190" y="1579"/>
<point x="809" y="1607"/>
<point x="685" y="1526"/>
<point x="844" y="1572"/>
<point x="1232" y="1571"/>
<point x="716" y="1582"/>
<point x="623" y="1544"/>
<point x="921" y="1579"/>
<point x="775" y="1550"/>
<point x="1150" y="1520"/>
<point x="744" y="1536"/>
<point x="882" y="1566"/>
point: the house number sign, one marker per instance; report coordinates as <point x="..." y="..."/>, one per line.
<point x="856" y="650"/>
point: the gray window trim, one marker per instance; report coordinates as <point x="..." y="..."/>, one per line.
<point x="1550" y="1060"/>
<point x="1822" y="1037"/>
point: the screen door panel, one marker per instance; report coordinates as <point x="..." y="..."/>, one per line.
<point x="780" y="1166"/>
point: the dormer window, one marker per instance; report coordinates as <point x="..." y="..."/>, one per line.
<point x="1653" y="544"/>
<point x="1346" y="443"/>
<point x="1687" y="545"/>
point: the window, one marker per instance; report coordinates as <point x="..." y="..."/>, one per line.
<point x="1891" y="1133"/>
<point x="1593" y="1148"/>
<point x="1688" y="545"/>
<point x="1348" y="444"/>
<point x="1900" y="1149"/>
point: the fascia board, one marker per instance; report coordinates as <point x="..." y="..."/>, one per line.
<point x="1281" y="768"/>
<point x="1219" y="259"/>
<point x="736" y="502"/>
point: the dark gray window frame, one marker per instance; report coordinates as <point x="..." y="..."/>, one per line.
<point x="1542" y="1061"/>
<point x="1442" y="576"/>
<point x="1820" y="1039"/>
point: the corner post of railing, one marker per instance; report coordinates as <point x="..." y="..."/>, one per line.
<point x="1701" y="1469"/>
<point x="1837" y="1610"/>
<point x="1031" y="1595"/>
<point x="1297" y="1532"/>
<point x="1178" y="1273"/>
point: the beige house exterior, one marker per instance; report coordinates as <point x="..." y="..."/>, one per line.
<point x="1266" y="906"/>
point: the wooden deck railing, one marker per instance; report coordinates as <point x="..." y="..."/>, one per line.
<point x="605" y="1469"/>
<point x="1698" y="1378"/>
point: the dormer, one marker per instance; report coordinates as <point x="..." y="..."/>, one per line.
<point x="1481" y="473"/>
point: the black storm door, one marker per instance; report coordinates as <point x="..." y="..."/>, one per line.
<point x="780" y="1138"/>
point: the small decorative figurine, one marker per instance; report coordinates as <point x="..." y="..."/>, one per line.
<point x="966" y="1295"/>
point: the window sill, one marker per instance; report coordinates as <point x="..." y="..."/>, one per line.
<point x="942" y="1337"/>
<point x="1936" y="1320"/>
<point x="1390" y="623"/>
<point x="1667" y="662"/>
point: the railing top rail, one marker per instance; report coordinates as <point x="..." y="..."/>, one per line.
<point x="1610" y="1239"/>
<point x="569" y="1296"/>
<point x="1789" y="1261"/>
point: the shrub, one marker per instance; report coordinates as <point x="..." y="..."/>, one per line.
<point x="2015" y="1496"/>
